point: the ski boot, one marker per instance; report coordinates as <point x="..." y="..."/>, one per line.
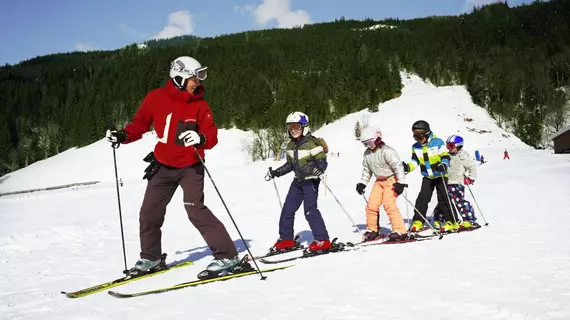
<point x="371" y="236"/>
<point x="144" y="266"/>
<point x="396" y="236"/>
<point x="223" y="267"/>
<point x="283" y="245"/>
<point x="417" y="226"/>
<point x="437" y="225"/>
<point x="468" y="225"/>
<point x="323" y="247"/>
<point x="449" y="227"/>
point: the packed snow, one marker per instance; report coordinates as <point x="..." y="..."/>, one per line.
<point x="516" y="268"/>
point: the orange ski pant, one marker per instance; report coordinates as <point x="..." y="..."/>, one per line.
<point x="382" y="194"/>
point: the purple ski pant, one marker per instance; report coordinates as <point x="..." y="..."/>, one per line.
<point x="306" y="192"/>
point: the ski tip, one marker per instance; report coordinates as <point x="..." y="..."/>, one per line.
<point x="69" y="295"/>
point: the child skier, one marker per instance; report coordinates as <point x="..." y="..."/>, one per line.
<point x="430" y="154"/>
<point x="384" y="163"/>
<point x="462" y="171"/>
<point x="306" y="157"/>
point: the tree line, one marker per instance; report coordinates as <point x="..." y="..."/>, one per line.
<point x="515" y="62"/>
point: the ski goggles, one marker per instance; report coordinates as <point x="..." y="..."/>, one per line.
<point x="199" y="74"/>
<point x="450" y="145"/>
<point x="368" y="143"/>
<point x="419" y="135"/>
<point x="202" y="73"/>
<point x="294" y="127"/>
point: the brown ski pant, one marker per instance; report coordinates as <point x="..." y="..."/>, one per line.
<point x="159" y="192"/>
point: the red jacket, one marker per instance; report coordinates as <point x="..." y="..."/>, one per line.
<point x="168" y="108"/>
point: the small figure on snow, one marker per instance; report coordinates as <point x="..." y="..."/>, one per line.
<point x="482" y="159"/>
<point x="430" y="154"/>
<point x="462" y="171"/>
<point x="307" y="158"/>
<point x="382" y="162"/>
<point x="185" y="126"/>
<point x="506" y="155"/>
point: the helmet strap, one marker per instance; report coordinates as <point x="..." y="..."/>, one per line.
<point x="179" y="82"/>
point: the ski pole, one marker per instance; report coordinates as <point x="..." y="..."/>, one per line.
<point x="116" y="145"/>
<point x="269" y="177"/>
<point x="341" y="206"/>
<point x="231" y="217"/>
<point x="423" y="217"/>
<point x="451" y="207"/>
<point x="478" y="208"/>
<point x="407" y="207"/>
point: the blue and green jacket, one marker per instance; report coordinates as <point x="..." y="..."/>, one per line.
<point x="303" y="156"/>
<point x="428" y="156"/>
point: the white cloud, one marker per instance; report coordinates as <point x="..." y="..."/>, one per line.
<point x="469" y="4"/>
<point x="84" y="47"/>
<point x="179" y="24"/>
<point x="278" y="10"/>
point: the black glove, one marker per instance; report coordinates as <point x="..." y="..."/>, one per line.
<point x="442" y="167"/>
<point x="399" y="187"/>
<point x="406" y="167"/>
<point x="273" y="173"/>
<point x="114" y="136"/>
<point x="317" y="171"/>
<point x="360" y="188"/>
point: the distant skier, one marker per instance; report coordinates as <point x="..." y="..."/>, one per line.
<point x="430" y="154"/>
<point x="382" y="162"/>
<point x="307" y="158"/>
<point x="482" y="159"/>
<point x="506" y="155"/>
<point x="462" y="171"/>
<point x="183" y="122"/>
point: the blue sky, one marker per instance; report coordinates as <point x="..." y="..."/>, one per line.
<point x="33" y="28"/>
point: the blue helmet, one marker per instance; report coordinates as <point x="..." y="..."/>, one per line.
<point x="457" y="141"/>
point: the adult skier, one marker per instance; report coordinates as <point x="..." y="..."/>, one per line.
<point x="382" y="162"/>
<point x="307" y="158"/>
<point x="184" y="124"/>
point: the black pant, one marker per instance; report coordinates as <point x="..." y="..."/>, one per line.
<point x="424" y="197"/>
<point x="159" y="192"/>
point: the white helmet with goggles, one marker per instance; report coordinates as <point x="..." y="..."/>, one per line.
<point x="370" y="135"/>
<point x="183" y="68"/>
<point x="298" y="118"/>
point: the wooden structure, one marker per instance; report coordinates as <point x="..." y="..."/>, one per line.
<point x="561" y="141"/>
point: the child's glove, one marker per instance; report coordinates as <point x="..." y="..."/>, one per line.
<point x="360" y="188"/>
<point x="399" y="187"/>
<point x="468" y="181"/>
<point x="406" y="167"/>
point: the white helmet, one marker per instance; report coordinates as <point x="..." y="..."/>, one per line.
<point x="370" y="134"/>
<point x="186" y="67"/>
<point x="300" y="118"/>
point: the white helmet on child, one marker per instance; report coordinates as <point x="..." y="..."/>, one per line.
<point x="300" y="118"/>
<point x="186" y="67"/>
<point x="370" y="135"/>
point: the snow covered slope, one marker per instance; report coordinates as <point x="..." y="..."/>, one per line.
<point x="517" y="268"/>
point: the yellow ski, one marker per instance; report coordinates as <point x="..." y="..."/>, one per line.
<point x="121" y="281"/>
<point x="192" y="283"/>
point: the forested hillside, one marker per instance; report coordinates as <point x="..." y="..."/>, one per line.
<point x="514" y="61"/>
